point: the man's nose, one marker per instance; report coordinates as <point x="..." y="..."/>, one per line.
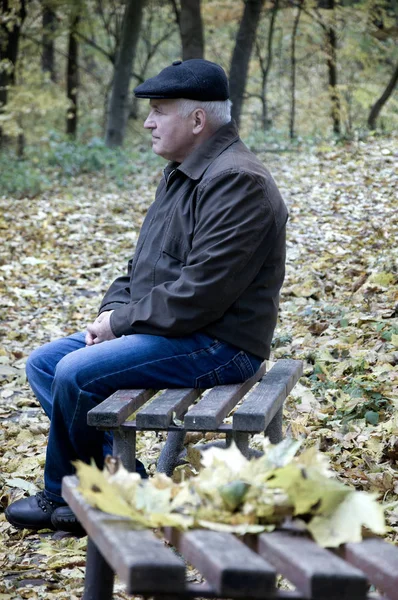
<point x="149" y="123"/>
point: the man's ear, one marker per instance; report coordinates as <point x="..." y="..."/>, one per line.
<point x="200" y="120"/>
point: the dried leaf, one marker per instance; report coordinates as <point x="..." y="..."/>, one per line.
<point x="357" y="510"/>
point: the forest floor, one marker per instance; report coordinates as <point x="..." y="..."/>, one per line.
<point x="339" y="313"/>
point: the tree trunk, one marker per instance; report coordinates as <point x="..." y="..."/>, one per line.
<point x="332" y="73"/>
<point x="266" y="66"/>
<point x="191" y="29"/>
<point x="72" y="78"/>
<point x="331" y="49"/>
<point x="378" y="105"/>
<point x="241" y="55"/>
<point x="49" y="26"/>
<point x="293" y="71"/>
<point x="119" y="101"/>
<point x="10" y="29"/>
<point x="20" y="145"/>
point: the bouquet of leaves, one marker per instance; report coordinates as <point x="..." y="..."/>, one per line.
<point x="237" y="495"/>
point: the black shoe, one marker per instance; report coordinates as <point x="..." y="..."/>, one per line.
<point x="64" y="519"/>
<point x="31" y="513"/>
<point x="140" y="469"/>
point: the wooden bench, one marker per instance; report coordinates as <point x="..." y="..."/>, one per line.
<point x="231" y="568"/>
<point x="261" y="411"/>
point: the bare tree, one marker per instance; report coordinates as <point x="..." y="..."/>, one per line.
<point x="293" y="62"/>
<point x="244" y="42"/>
<point x="119" y="100"/>
<point x="153" y="34"/>
<point x="189" y="20"/>
<point x="49" y="21"/>
<point x="265" y="65"/>
<point x="72" y="77"/>
<point x="108" y="17"/>
<point x="331" y="49"/>
<point x="330" y="38"/>
<point x="10" y="31"/>
<point x="380" y="102"/>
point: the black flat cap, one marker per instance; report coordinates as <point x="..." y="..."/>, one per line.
<point x="195" y="79"/>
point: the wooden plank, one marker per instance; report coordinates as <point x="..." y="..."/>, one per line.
<point x="316" y="572"/>
<point x="199" y="591"/>
<point x="263" y="402"/>
<point x="379" y="561"/>
<point x="228" y="565"/>
<point x="140" y="559"/>
<point x="210" y="411"/>
<point x="113" y="411"/>
<point x="159" y="413"/>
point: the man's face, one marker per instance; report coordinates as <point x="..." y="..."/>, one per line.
<point x="172" y="134"/>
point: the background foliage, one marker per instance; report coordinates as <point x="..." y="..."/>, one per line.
<point x="366" y="46"/>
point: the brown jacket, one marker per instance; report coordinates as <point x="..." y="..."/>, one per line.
<point x="211" y="252"/>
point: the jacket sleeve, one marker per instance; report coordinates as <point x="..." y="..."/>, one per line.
<point x="118" y="293"/>
<point x="235" y="229"/>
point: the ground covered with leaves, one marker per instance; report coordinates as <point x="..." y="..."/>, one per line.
<point x="339" y="313"/>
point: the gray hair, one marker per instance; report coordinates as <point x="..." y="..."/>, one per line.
<point x="218" y="112"/>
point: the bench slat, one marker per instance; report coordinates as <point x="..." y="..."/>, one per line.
<point x="230" y="567"/>
<point x="262" y="403"/>
<point x="211" y="410"/>
<point x="140" y="559"/>
<point x="113" y="411"/>
<point x="316" y="572"/>
<point x="379" y="561"/>
<point x="159" y="413"/>
<point x="196" y="590"/>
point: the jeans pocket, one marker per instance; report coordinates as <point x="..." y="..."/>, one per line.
<point x="238" y="369"/>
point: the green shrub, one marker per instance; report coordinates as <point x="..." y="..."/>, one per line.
<point x="21" y="178"/>
<point x="55" y="163"/>
<point x="73" y="158"/>
<point x="70" y="159"/>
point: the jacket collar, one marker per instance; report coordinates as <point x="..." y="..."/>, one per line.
<point x="197" y="162"/>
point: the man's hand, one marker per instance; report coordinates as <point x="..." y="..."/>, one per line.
<point x="100" y="330"/>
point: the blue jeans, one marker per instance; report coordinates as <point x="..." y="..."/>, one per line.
<point x="70" y="378"/>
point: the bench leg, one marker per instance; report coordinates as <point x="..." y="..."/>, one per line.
<point x="241" y="439"/>
<point x="169" y="456"/>
<point x="98" y="583"/>
<point x="124" y="446"/>
<point x="274" y="429"/>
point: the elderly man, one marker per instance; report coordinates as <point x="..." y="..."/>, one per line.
<point x="199" y="303"/>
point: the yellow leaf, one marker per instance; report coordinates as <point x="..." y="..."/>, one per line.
<point x="306" y="399"/>
<point x="357" y="510"/>
<point x="304" y="290"/>
<point x="382" y="279"/>
<point x="308" y="489"/>
<point x="101" y="493"/>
